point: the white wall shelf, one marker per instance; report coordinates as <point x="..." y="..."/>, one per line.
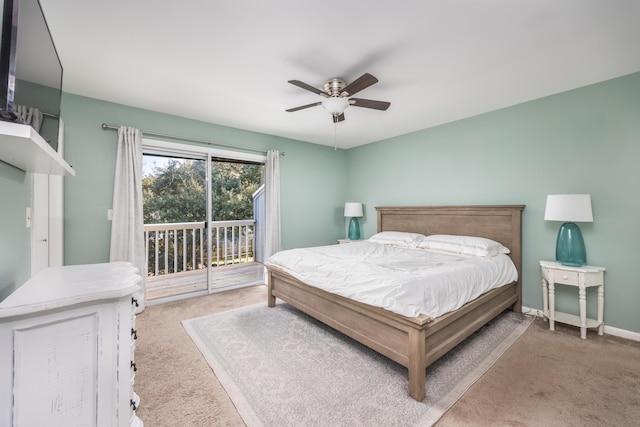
<point x="21" y="146"/>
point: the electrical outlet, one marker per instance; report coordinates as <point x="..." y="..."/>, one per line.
<point x="28" y="218"/>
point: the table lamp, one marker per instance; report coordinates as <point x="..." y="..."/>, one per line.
<point x="569" y="208"/>
<point x="353" y="210"/>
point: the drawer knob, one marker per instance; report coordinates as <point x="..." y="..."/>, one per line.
<point x="565" y="277"/>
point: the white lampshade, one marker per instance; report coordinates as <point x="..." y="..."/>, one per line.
<point x="353" y="209"/>
<point x="569" y="208"/>
<point x="335" y="105"/>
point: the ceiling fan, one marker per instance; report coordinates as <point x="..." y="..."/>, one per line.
<point x="337" y="92"/>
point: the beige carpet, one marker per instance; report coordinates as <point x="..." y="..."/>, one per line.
<point x="544" y="379"/>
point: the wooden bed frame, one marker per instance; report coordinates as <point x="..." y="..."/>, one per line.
<point x="415" y="342"/>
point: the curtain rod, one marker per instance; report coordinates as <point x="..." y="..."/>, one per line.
<point x="183" y="138"/>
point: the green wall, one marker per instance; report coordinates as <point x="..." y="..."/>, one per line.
<point x="582" y="141"/>
<point x="15" y="192"/>
<point x="312" y="176"/>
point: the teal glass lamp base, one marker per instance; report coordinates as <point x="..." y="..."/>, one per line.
<point x="354" y="229"/>
<point x="570" y="248"/>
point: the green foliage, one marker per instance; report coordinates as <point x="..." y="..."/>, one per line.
<point x="175" y="191"/>
<point x="232" y="189"/>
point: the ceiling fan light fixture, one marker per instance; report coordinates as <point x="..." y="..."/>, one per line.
<point x="336" y="93"/>
<point x="335" y="105"/>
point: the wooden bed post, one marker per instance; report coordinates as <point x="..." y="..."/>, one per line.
<point x="417" y="364"/>
<point x="271" y="300"/>
<point x="516" y="252"/>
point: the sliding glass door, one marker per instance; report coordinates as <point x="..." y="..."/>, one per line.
<point x="235" y="201"/>
<point x="204" y="213"/>
<point x="175" y="215"/>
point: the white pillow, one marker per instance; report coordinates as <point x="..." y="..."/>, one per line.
<point x="468" y="245"/>
<point x="397" y="238"/>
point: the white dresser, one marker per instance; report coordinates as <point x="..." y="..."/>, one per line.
<point x="67" y="341"/>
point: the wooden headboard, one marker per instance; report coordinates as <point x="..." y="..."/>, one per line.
<point x="500" y="223"/>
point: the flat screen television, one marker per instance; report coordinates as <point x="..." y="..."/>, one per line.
<point x="30" y="69"/>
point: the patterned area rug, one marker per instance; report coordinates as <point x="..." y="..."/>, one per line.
<point x="282" y="368"/>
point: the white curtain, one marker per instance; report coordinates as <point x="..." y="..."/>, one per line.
<point x="29" y="116"/>
<point x="127" y="227"/>
<point x="273" y="241"/>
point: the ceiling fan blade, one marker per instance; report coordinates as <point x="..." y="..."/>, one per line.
<point x="362" y="82"/>
<point x="338" y="119"/>
<point x="302" y="107"/>
<point x="307" y="87"/>
<point x="369" y="103"/>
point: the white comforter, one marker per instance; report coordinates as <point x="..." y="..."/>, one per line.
<point x="409" y="282"/>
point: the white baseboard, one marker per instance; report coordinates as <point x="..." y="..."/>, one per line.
<point x="623" y="333"/>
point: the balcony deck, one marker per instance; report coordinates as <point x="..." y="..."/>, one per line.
<point x="227" y="276"/>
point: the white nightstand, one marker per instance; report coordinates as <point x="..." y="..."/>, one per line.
<point x="581" y="277"/>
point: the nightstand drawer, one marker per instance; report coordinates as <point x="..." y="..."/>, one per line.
<point x="564" y="277"/>
<point x="343" y="241"/>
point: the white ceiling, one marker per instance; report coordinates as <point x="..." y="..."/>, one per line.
<point x="228" y="62"/>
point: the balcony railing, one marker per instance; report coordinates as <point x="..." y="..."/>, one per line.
<point x="177" y="247"/>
